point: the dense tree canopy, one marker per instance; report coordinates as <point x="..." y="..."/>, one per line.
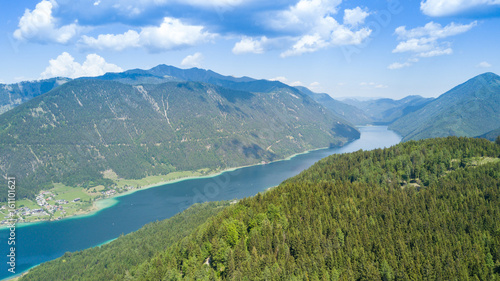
<point x="425" y="210"/>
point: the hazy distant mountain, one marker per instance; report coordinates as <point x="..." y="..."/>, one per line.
<point x="350" y="113"/>
<point x="385" y="111"/>
<point x="491" y="135"/>
<point x="470" y="109"/>
<point x="12" y="95"/>
<point x="15" y="94"/>
<point x="77" y="131"/>
<point x="165" y="73"/>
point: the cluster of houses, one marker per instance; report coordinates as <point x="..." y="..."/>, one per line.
<point x="109" y="192"/>
<point x="45" y="208"/>
<point x="25" y="211"/>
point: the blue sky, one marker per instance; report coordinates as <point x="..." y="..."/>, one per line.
<point x="377" y="48"/>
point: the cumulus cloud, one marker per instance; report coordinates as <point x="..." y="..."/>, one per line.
<point x="193" y="60"/>
<point x="355" y="16"/>
<point x="484" y="64"/>
<point x="171" y="34"/>
<point x="312" y="26"/>
<point x="39" y="25"/>
<point x="66" y="66"/>
<point x="143" y="4"/>
<point x="296" y="83"/>
<point x="426" y="41"/>
<point x="439" y="8"/>
<point x="250" y="45"/>
<point x="281" y="79"/>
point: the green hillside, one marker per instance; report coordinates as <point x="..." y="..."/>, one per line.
<point x="348" y="112"/>
<point x="130" y="250"/>
<point x="76" y="132"/>
<point x="491" y="135"/>
<point x="385" y="111"/>
<point x="12" y="95"/>
<point x="425" y="210"/>
<point x="470" y="109"/>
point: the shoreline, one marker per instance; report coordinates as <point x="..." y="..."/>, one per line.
<point x="102" y="204"/>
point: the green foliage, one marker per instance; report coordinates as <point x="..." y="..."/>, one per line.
<point x="119" y="256"/>
<point x="14" y="94"/>
<point x="85" y="127"/>
<point x="470" y="109"/>
<point x="400" y="213"/>
<point x="385" y="111"/>
<point x="346" y="111"/>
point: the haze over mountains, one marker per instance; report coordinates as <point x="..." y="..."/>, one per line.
<point x="163" y="117"/>
<point x="86" y="127"/>
<point x="381" y="111"/>
<point x="470" y="109"/>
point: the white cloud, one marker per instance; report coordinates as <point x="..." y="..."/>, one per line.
<point x="426" y="41"/>
<point x="306" y="44"/>
<point x="315" y="86"/>
<point x="312" y="26"/>
<point x="66" y="66"/>
<point x="296" y="83"/>
<point x="193" y="60"/>
<point x="129" y="39"/>
<point x="434" y="30"/>
<point x="195" y="3"/>
<point x="436" y="52"/>
<point x="439" y="8"/>
<point x="372" y="85"/>
<point x="39" y="25"/>
<point x="356" y="16"/>
<point x="484" y="64"/>
<point x="398" y="65"/>
<point x="282" y="79"/>
<point x="250" y="45"/>
<point x="171" y="34"/>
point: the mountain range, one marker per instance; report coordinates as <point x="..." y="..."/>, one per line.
<point x="470" y="109"/>
<point x="86" y="128"/>
<point x="346" y="111"/>
<point x="384" y="111"/>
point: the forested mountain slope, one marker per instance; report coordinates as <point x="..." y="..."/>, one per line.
<point x="385" y="111"/>
<point x="425" y="210"/>
<point x="350" y="113"/>
<point x="117" y="257"/>
<point x="12" y="95"/>
<point x="83" y="128"/>
<point x="470" y="109"/>
<point x="491" y="135"/>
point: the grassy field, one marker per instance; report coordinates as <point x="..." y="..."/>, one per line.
<point x="88" y="196"/>
<point x="161" y="178"/>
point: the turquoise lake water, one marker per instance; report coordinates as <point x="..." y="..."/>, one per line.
<point x="38" y="243"/>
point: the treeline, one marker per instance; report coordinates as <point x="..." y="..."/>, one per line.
<point x="117" y="257"/>
<point x="77" y="131"/>
<point x="425" y="210"/>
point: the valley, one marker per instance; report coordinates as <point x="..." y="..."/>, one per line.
<point x="241" y="140"/>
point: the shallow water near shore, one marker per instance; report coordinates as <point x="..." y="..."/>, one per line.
<point x="44" y="241"/>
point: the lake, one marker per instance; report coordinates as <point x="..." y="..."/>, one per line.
<point x="37" y="243"/>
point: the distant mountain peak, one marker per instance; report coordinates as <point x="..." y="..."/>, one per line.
<point x="469" y="109"/>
